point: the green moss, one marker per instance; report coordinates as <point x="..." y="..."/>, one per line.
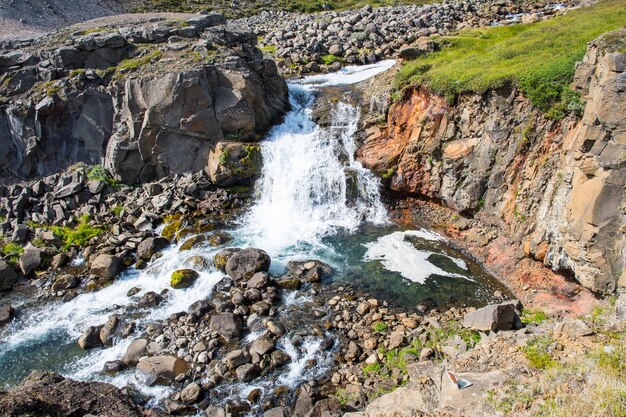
<point x="388" y="174"/>
<point x="539" y="352"/>
<point x="225" y="156"/>
<point x="79" y="236"/>
<point x="331" y="59"/>
<point x="169" y="231"/>
<point x="77" y="72"/>
<point x="537" y="58"/>
<point x="12" y="252"/>
<point x="183" y="278"/>
<point x="372" y="369"/>
<point x="380" y="327"/>
<point x="192" y="243"/>
<point x="117" y="210"/>
<point x="98" y="173"/>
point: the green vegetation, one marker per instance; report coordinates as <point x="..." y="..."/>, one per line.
<point x="539" y="352"/>
<point x="98" y="173"/>
<point x="183" y="278"/>
<point x="133" y="64"/>
<point x="388" y="174"/>
<point x="12" y="252"/>
<point x="343" y="397"/>
<point x="538" y="58"/>
<point x="270" y="49"/>
<point x="372" y="368"/>
<point x="533" y="317"/>
<point x="379" y="327"/>
<point x="93" y="30"/>
<point x="224" y="156"/>
<point x="79" y="236"/>
<point x="77" y="72"/>
<point x="331" y="59"/>
<point x="117" y="210"/>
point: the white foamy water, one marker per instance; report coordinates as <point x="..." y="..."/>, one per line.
<point x="397" y="254"/>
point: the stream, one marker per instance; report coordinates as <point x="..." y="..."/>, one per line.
<point x="313" y="201"/>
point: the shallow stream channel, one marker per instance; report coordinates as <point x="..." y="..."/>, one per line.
<point x="314" y="200"/>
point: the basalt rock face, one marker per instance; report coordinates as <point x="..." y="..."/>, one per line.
<point x="146" y="102"/>
<point x="555" y="189"/>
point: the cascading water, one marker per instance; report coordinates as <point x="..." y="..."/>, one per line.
<point x="312" y="198"/>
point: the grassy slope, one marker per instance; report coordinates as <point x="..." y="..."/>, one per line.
<point x="539" y="58"/>
<point x="255" y="6"/>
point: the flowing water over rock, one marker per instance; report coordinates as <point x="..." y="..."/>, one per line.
<point x="314" y="200"/>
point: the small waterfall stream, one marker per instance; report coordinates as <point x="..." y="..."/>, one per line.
<point x="313" y="200"/>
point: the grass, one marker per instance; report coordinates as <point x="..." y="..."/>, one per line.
<point x="79" y="236"/>
<point x="533" y="317"/>
<point x="134" y="64"/>
<point x="98" y="173"/>
<point x="12" y="252"/>
<point x="331" y="59"/>
<point x="380" y="327"/>
<point x="270" y="49"/>
<point x="537" y="58"/>
<point x="372" y="368"/>
<point x="539" y="352"/>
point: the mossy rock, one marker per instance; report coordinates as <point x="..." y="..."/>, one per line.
<point x="221" y="258"/>
<point x="202" y="227"/>
<point x="289" y="284"/>
<point x="97" y="284"/>
<point x="192" y="242"/>
<point x="220" y="238"/>
<point x="183" y="278"/>
<point x="184" y="232"/>
<point x="169" y="231"/>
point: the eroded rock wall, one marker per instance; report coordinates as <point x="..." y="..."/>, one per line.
<point x="555" y="189"/>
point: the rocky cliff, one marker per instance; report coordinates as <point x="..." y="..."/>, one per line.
<point x="146" y="100"/>
<point x="553" y="189"/>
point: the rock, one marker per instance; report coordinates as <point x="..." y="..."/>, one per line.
<point x="311" y="271"/>
<point x="106" y="266"/>
<point x="90" y="338"/>
<point x="149" y="246"/>
<point x="161" y="370"/>
<point x="493" y="317"/>
<point x="228" y="325"/>
<point x="262" y="345"/>
<point x="29" y="260"/>
<point x="183" y="278"/>
<point x="213" y="411"/>
<point x="192" y="242"/>
<point x="135" y="351"/>
<point x="244" y="264"/>
<point x="409" y="53"/>
<point x="6" y="314"/>
<point x="8" y="277"/>
<point x="108" y="330"/>
<point x="65" y="282"/>
<point x="259" y="280"/>
<point x="232" y="163"/>
<point x="426" y="354"/>
<point x="191" y="393"/>
<point x="247" y="372"/>
<point x="275" y="412"/>
<point x="236" y="358"/>
<point x="219" y="239"/>
<point x="113" y="367"/>
<point x="328" y="407"/>
<point x="573" y="329"/>
<point x="221" y="258"/>
<point x="50" y="394"/>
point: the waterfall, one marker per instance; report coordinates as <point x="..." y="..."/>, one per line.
<point x="311" y="185"/>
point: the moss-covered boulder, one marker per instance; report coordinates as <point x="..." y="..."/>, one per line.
<point x="220" y="238"/>
<point x="169" y="231"/>
<point x="183" y="278"/>
<point x="192" y="242"/>
<point x="221" y="258"/>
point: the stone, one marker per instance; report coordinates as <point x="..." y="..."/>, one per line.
<point x="236" y="358"/>
<point x="161" y="370"/>
<point x="113" y="367"/>
<point x="493" y="317"/>
<point x="149" y="246"/>
<point x="228" y="325"/>
<point x="192" y="242"/>
<point x="183" y="278"/>
<point x="426" y="354"/>
<point x="243" y="264"/>
<point x="106" y="266"/>
<point x="135" y="350"/>
<point x="65" y="282"/>
<point x="108" y="330"/>
<point x="573" y="329"/>
<point x="259" y="280"/>
<point x="328" y="407"/>
<point x="232" y="163"/>
<point x="30" y="260"/>
<point x="191" y="393"/>
<point x="8" y="277"/>
<point x="275" y="412"/>
<point x="90" y="338"/>
<point x="221" y="258"/>
<point x="247" y="372"/>
<point x="262" y="345"/>
<point x="6" y="314"/>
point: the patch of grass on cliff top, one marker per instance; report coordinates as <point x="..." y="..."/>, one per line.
<point x="538" y="58"/>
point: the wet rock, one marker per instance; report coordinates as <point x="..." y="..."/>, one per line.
<point x="221" y="258"/>
<point x="259" y="280"/>
<point x="247" y="372"/>
<point x="6" y="314"/>
<point x="135" y="350"/>
<point x="90" y="338"/>
<point x="232" y="163"/>
<point x="65" y="282"/>
<point x="275" y="412"/>
<point x="228" y="325"/>
<point x="236" y="358"/>
<point x="113" y="367"/>
<point x="8" y="277"/>
<point x="262" y="345"/>
<point x="213" y="411"/>
<point x="178" y="408"/>
<point x="106" y="266"/>
<point x="148" y="247"/>
<point x="191" y="393"/>
<point x="59" y="260"/>
<point x="243" y="264"/>
<point x="161" y="370"/>
<point x="183" y="278"/>
<point x="150" y="299"/>
<point x="108" y="330"/>
<point x="192" y="242"/>
<point x="219" y="239"/>
<point x="311" y="271"/>
<point x="493" y="317"/>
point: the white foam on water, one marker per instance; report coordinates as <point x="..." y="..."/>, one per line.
<point x="397" y="254"/>
<point x="347" y="75"/>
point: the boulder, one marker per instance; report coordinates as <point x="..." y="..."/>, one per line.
<point x="228" y="325"/>
<point x="244" y="264"/>
<point x="232" y="163"/>
<point x="259" y="280"/>
<point x="247" y="372"/>
<point x="311" y="271"/>
<point x="262" y="345"/>
<point x="192" y="242"/>
<point x="8" y="277"/>
<point x="6" y="314"/>
<point x="108" y="330"/>
<point x="191" y="393"/>
<point x="493" y="317"/>
<point x="183" y="278"/>
<point x="65" y="282"/>
<point x="29" y="260"/>
<point x="161" y="370"/>
<point x="106" y="266"/>
<point x="135" y="351"/>
<point x="149" y="246"/>
<point x="221" y="258"/>
<point x="90" y="338"/>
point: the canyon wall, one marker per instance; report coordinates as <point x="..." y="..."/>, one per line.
<point x="554" y="188"/>
<point x="146" y="101"/>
